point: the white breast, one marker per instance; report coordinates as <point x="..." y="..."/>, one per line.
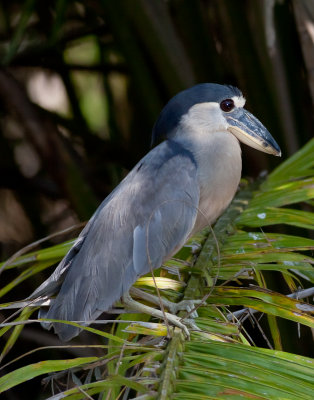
<point x="204" y="131"/>
<point x="219" y="163"/>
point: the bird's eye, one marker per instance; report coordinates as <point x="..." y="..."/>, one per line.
<point x="227" y="105"/>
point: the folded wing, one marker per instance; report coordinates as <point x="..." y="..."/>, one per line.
<point x="143" y="222"/>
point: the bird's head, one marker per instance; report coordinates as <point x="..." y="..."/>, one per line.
<point x="210" y="107"/>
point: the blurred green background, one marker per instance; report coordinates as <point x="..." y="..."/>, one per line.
<point x="82" y="82"/>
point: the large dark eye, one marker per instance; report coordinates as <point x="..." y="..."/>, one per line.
<point x="227" y="105"/>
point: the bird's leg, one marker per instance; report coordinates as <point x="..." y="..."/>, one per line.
<point x="174" y="308"/>
<point x="173" y="319"/>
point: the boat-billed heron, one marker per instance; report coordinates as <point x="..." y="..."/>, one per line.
<point x="179" y="187"/>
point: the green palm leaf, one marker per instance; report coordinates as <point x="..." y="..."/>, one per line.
<point x="220" y="361"/>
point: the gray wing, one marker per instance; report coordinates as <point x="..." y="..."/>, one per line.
<point x="144" y="221"/>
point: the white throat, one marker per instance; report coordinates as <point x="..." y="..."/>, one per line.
<point x="218" y="155"/>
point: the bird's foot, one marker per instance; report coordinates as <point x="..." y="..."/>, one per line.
<point x="174" y="308"/>
<point x="178" y="322"/>
<point x="184" y="305"/>
<point x="171" y="318"/>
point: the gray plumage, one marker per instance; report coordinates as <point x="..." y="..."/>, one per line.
<point x="174" y="191"/>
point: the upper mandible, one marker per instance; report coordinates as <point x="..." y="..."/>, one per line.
<point x="209" y="108"/>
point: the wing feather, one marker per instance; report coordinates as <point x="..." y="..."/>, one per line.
<point x="144" y="221"/>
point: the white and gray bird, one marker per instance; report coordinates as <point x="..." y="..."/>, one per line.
<point x="179" y="187"/>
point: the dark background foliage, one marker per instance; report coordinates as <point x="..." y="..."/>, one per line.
<point x="82" y="82"/>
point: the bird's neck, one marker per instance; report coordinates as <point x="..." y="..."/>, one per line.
<point x="218" y="157"/>
<point x="211" y="150"/>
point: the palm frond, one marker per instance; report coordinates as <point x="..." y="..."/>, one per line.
<point x="229" y="269"/>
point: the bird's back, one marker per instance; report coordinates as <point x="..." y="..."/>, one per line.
<point x="143" y="221"/>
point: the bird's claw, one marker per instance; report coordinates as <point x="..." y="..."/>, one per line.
<point x="191" y="323"/>
<point x="185" y="305"/>
<point x="183" y="324"/>
<point x="178" y="321"/>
